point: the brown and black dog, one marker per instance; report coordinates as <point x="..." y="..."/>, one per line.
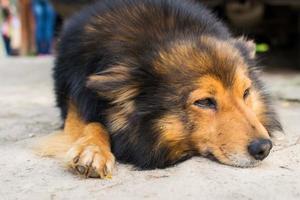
<point x="155" y="82"/>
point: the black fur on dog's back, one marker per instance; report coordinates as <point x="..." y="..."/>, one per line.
<point x="88" y="54"/>
<point x="128" y="32"/>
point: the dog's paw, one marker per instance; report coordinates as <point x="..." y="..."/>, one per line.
<point x="90" y="160"/>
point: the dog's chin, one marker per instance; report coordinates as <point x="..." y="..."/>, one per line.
<point x="242" y="161"/>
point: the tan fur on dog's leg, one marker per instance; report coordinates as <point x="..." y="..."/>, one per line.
<point x="86" y="146"/>
<point x="58" y="143"/>
<point x="90" y="155"/>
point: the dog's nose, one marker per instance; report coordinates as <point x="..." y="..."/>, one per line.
<point x="260" y="148"/>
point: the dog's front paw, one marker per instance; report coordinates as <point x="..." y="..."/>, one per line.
<point x="91" y="160"/>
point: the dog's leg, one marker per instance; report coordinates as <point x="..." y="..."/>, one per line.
<point x="90" y="154"/>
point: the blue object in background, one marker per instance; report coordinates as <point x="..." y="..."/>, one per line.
<point x="6" y="41"/>
<point x="45" y="18"/>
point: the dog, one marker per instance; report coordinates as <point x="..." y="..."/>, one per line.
<point x="156" y="82"/>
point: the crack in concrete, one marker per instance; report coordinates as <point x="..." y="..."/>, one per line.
<point x="290" y="100"/>
<point x="288" y="146"/>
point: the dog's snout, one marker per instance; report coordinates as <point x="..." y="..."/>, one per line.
<point x="260" y="148"/>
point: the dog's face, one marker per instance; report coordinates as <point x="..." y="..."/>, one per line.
<point x="202" y="97"/>
<point x="228" y="120"/>
<point x="225" y="107"/>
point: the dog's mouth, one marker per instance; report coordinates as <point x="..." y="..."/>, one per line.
<point x="242" y="161"/>
<point x="235" y="160"/>
<point x="211" y="157"/>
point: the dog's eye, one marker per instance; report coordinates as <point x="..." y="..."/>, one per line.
<point x="208" y="103"/>
<point x="246" y="93"/>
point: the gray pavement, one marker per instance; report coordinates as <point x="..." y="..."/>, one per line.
<point x="27" y="112"/>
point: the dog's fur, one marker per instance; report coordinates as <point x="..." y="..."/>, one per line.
<point x="129" y="78"/>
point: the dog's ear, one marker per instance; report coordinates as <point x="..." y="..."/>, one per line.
<point x="114" y="83"/>
<point x="245" y="46"/>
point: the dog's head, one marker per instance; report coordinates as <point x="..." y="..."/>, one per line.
<point x="202" y="97"/>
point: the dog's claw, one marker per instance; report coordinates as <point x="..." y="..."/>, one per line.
<point x="91" y="161"/>
<point x="76" y="159"/>
<point x="81" y="169"/>
<point x="93" y="174"/>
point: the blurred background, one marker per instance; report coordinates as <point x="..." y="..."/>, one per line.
<point x="29" y="33"/>
<point x="31" y="27"/>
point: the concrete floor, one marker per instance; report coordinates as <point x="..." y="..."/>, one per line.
<point x="27" y="112"/>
